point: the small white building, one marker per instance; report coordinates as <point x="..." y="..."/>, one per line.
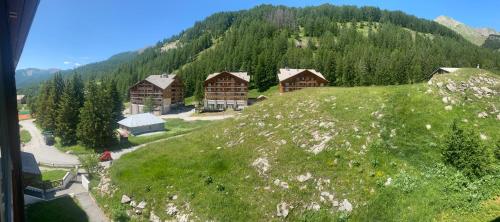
<point x="21" y="99"/>
<point x="443" y="70"/>
<point x="142" y="123"/>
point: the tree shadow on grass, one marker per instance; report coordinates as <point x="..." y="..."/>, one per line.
<point x="61" y="209"/>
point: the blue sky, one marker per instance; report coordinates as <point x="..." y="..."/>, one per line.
<point x="69" y="33"/>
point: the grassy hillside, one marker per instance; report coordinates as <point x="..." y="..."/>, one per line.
<point x="320" y="155"/>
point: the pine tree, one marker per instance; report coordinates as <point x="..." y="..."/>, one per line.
<point x="68" y="112"/>
<point x="96" y="126"/>
<point x="117" y="103"/>
<point x="88" y="125"/>
<point x="199" y="93"/>
<point x="148" y="105"/>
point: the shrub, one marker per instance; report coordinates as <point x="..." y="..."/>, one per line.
<point x="464" y="151"/>
<point x="90" y="163"/>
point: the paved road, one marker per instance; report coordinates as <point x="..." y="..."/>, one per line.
<point x="118" y="153"/>
<point x="44" y="154"/>
<point x="93" y="211"/>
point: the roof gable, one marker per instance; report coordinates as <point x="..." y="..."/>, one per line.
<point x="285" y="74"/>
<point x="143" y="119"/>
<point x="163" y="81"/>
<point x="241" y="75"/>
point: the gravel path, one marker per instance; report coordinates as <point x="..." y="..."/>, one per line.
<point x="46" y="155"/>
<point x="118" y="153"/>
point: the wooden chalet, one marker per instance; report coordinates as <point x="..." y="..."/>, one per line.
<point x="226" y="90"/>
<point x="295" y="79"/>
<point x="166" y="91"/>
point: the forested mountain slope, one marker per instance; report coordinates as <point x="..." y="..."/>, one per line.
<point x="349" y="45"/>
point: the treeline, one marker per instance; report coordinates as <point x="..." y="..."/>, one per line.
<point x="78" y="112"/>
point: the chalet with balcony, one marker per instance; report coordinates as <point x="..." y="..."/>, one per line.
<point x="226" y="90"/>
<point x="295" y="79"/>
<point x="165" y="90"/>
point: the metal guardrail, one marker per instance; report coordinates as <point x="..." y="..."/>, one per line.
<point x="58" y="165"/>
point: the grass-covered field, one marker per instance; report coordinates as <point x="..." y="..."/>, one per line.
<point x="173" y="127"/>
<point x="52" y="175"/>
<point x="63" y="209"/>
<point x="25" y="136"/>
<point x="376" y="150"/>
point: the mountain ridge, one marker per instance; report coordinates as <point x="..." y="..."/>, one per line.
<point x="28" y="76"/>
<point x="475" y="35"/>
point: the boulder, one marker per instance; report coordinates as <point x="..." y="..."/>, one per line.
<point x="141" y="205"/>
<point x="451" y="87"/>
<point x="304" y="178"/>
<point x="282" y="209"/>
<point x="262" y="165"/>
<point x="446" y="100"/>
<point x="448" y="108"/>
<point x="125" y="199"/>
<point x="345" y="206"/>
<point x="171" y="209"/>
<point x="314" y="206"/>
<point x="388" y="181"/>
<point x="482" y="115"/>
<point x="153" y="217"/>
<point x="133" y="203"/>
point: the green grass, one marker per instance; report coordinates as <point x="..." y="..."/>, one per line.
<point x="25" y="136"/>
<point x="59" y="210"/>
<point x="377" y="133"/>
<point x="189" y="100"/>
<point x="52" y="175"/>
<point x="173" y="127"/>
<point x="254" y="93"/>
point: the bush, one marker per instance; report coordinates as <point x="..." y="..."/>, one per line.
<point x="90" y="163"/>
<point x="464" y="151"/>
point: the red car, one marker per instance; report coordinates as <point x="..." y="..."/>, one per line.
<point x="105" y="156"/>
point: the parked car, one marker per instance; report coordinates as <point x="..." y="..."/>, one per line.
<point x="48" y="137"/>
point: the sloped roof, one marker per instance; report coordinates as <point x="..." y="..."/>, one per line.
<point x="21" y="14"/>
<point x="449" y="69"/>
<point x="143" y="119"/>
<point x="241" y="75"/>
<point x="19" y="97"/>
<point x="285" y="74"/>
<point x="162" y="81"/>
<point x="29" y="164"/>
